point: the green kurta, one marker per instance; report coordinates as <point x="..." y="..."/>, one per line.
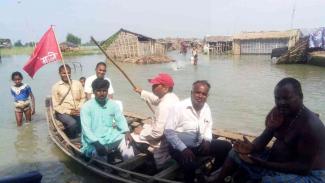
<point x="104" y="124"/>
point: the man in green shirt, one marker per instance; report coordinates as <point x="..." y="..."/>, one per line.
<point x="103" y="125"/>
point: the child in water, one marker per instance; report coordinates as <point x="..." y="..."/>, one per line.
<point x="24" y="98"/>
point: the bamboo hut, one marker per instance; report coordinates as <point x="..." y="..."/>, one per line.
<point x="263" y="42"/>
<point x="217" y="44"/>
<point x="5" y="43"/>
<point x="127" y="46"/>
<point x="68" y="46"/>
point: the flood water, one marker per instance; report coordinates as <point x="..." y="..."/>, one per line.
<point x="240" y="97"/>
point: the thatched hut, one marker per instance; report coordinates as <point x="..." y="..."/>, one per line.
<point x="125" y="45"/>
<point x="217" y="44"/>
<point x="5" y="43"/>
<point x="263" y="42"/>
<point x="68" y="46"/>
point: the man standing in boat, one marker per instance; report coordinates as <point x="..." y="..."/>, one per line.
<point x="67" y="100"/>
<point x="104" y="127"/>
<point x="100" y="73"/>
<point x="162" y="99"/>
<point x="189" y="132"/>
<point x="298" y="152"/>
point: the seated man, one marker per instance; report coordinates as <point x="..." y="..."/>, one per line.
<point x="163" y="99"/>
<point x="189" y="132"/>
<point x="298" y="153"/>
<point x="100" y="73"/>
<point x="104" y="127"/>
<point x="67" y="100"/>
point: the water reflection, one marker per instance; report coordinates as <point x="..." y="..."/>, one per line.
<point x="240" y="97"/>
<point x="26" y="144"/>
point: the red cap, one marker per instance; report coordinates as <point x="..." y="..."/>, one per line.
<point x="162" y="78"/>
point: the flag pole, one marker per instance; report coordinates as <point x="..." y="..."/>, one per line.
<point x="65" y="68"/>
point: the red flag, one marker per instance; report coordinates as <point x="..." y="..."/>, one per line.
<point x="46" y="51"/>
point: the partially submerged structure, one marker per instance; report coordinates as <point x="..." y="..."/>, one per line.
<point x="68" y="46"/>
<point x="263" y="42"/>
<point x="309" y="49"/>
<point x="5" y="43"/>
<point x="217" y="44"/>
<point x="128" y="46"/>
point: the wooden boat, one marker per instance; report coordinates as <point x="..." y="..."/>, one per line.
<point x="138" y="169"/>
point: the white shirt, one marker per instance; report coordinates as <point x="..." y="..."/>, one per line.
<point x="186" y="128"/>
<point x="89" y="89"/>
<point x="162" y="107"/>
<point x="153" y="133"/>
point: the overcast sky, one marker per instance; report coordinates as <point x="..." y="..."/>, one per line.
<point x="28" y="20"/>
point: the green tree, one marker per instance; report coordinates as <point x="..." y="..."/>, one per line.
<point x="73" y="39"/>
<point x="18" y="44"/>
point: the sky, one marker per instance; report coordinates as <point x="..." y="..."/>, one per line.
<point x="28" y="20"/>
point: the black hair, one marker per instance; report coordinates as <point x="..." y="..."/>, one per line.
<point x="100" y="83"/>
<point x="82" y="78"/>
<point x="100" y="63"/>
<point x="293" y="82"/>
<point x="62" y="67"/>
<point x="16" y="74"/>
<point x="203" y="82"/>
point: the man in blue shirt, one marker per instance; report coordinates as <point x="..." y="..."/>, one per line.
<point x="104" y="127"/>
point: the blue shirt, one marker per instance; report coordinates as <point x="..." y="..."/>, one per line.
<point x="21" y="93"/>
<point x="106" y="124"/>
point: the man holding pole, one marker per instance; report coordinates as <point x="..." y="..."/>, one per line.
<point x="67" y="98"/>
<point x="162" y="99"/>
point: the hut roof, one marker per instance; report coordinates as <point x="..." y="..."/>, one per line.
<point x="68" y="44"/>
<point x="110" y="40"/>
<point x="5" y="43"/>
<point x="267" y="35"/>
<point x="140" y="36"/>
<point x="218" y="38"/>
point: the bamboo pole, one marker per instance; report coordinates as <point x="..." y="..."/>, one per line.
<point x="66" y="71"/>
<point x="119" y="68"/>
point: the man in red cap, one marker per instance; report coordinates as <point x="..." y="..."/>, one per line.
<point x="162" y="98"/>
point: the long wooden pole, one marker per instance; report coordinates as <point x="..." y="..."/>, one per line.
<point x="119" y="68"/>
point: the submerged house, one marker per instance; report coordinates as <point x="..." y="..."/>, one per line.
<point x="125" y="44"/>
<point x="263" y="42"/>
<point x="5" y="43"/>
<point x="217" y="44"/>
<point x="68" y="46"/>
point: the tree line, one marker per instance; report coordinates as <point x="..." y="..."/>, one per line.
<point x="71" y="38"/>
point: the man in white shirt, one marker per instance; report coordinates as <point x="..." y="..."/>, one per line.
<point x="189" y="132"/>
<point x="162" y="99"/>
<point x="100" y="73"/>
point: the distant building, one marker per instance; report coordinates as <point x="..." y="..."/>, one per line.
<point x="263" y="42"/>
<point x="5" y="43"/>
<point x="126" y="44"/>
<point x="68" y="46"/>
<point x="217" y="44"/>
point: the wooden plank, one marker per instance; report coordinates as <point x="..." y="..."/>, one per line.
<point x="168" y="172"/>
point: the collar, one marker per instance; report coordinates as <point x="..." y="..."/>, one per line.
<point x="62" y="82"/>
<point x="189" y="105"/>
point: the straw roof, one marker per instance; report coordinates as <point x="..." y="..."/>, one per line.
<point x="267" y="35"/>
<point x="111" y="39"/>
<point x="218" y="38"/>
<point x="5" y="43"/>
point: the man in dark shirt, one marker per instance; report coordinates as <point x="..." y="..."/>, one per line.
<point x="298" y="152"/>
